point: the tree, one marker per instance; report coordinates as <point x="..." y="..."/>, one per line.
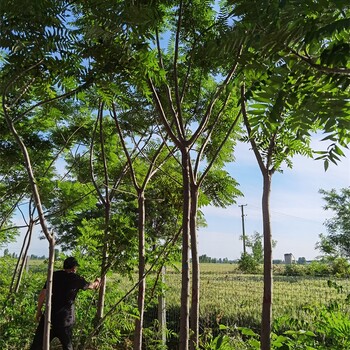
<point x="192" y="98"/>
<point x="195" y="107"/>
<point x="302" y="260"/>
<point x="249" y="262"/>
<point x="150" y="152"/>
<point x="273" y="142"/>
<point x="337" y="242"/>
<point x="187" y="61"/>
<point x="33" y="46"/>
<point x="279" y="34"/>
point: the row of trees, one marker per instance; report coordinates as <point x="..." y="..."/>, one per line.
<point x="117" y="119"/>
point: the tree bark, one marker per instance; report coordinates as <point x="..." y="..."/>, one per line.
<point x="142" y="280"/>
<point x="49" y="281"/>
<point x="49" y="236"/>
<point x="24" y="255"/>
<point x="107" y="209"/>
<point x="185" y="272"/>
<point x="266" y="317"/>
<point x="102" y="290"/>
<point x="194" y="315"/>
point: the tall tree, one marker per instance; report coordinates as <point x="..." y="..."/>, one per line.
<point x="190" y="94"/>
<point x="150" y="152"/>
<point x="191" y="103"/>
<point x="34" y="43"/>
<point x="304" y="38"/>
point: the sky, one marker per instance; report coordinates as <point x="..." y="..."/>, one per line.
<point x="297" y="214"/>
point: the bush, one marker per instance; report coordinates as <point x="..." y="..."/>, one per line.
<point x="340" y="267"/>
<point x="319" y="268"/>
<point x="294" y="270"/>
<point x="248" y="264"/>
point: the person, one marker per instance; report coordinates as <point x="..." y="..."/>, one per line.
<point x="65" y="286"/>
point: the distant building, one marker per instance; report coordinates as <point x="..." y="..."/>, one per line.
<point x="289" y="258"/>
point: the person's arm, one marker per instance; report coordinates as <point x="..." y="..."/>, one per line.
<point x="95" y="284"/>
<point x="41" y="300"/>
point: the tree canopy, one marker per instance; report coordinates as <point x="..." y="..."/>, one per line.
<point x="119" y="117"/>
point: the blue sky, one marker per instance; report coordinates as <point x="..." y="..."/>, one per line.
<point x="297" y="214"/>
<point x="296" y="208"/>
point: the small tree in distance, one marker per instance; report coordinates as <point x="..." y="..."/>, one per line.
<point x="337" y="242"/>
<point x="250" y="262"/>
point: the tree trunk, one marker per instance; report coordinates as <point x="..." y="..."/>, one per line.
<point x="104" y="267"/>
<point x="194" y="318"/>
<point x="266" y="318"/>
<point x="185" y="272"/>
<point x="142" y="280"/>
<point x="162" y="311"/>
<point x="102" y="290"/>
<point x="17" y="274"/>
<point x="24" y="255"/>
<point x="49" y="279"/>
<point x="49" y="236"/>
<point x="107" y="212"/>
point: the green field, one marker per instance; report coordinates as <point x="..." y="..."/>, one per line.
<point x="236" y="298"/>
<point x="226" y="297"/>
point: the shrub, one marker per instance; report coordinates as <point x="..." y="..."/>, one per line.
<point x="319" y="268"/>
<point x="340" y="267"/>
<point x="248" y="264"/>
<point x="294" y="270"/>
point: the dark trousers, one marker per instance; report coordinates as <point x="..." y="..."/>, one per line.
<point x="64" y="334"/>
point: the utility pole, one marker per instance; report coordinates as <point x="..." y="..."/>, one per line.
<point x="243" y="230"/>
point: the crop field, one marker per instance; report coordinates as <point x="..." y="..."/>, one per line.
<point x="226" y="297"/>
<point x="235" y="299"/>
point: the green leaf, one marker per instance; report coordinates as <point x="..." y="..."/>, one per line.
<point x="247" y="331"/>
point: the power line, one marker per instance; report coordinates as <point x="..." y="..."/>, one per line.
<point x="290" y="215"/>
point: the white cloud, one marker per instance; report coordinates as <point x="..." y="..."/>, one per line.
<point x="297" y="215"/>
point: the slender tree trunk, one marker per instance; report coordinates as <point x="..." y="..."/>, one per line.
<point x="268" y="278"/>
<point x="49" y="236"/>
<point x="24" y="255"/>
<point x="142" y="280"/>
<point x="49" y="279"/>
<point x="194" y="316"/>
<point x="107" y="212"/>
<point x="185" y="272"/>
<point x="20" y="262"/>
<point x="162" y="311"/>
<point x="102" y="290"/>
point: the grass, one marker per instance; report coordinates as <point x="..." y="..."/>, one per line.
<point x="226" y="297"/>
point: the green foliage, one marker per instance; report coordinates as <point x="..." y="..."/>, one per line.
<point x="293" y="324"/>
<point x="219" y="189"/>
<point x="315" y="268"/>
<point x="17" y="310"/>
<point x="337" y="241"/>
<point x="248" y="264"/>
<point x="328" y="328"/>
<point x="294" y="270"/>
<point x="338" y="267"/>
<point x="290" y="79"/>
<point x="251" y="262"/>
<point x="60" y="61"/>
<point x="220" y="342"/>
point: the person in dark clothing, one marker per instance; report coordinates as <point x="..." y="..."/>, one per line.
<point x="65" y="287"/>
